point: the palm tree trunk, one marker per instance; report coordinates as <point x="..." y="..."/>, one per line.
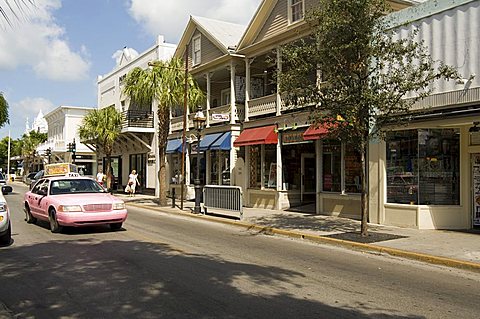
<point x="163" y="128"/>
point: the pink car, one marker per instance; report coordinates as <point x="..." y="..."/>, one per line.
<point x="73" y="201"/>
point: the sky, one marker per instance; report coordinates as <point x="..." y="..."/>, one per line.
<point x="52" y="53"/>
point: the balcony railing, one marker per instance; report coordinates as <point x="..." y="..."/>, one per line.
<point x="262" y="105"/>
<point x="137" y="119"/>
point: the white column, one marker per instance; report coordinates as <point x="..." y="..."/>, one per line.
<point x="209" y="91"/>
<point x="155" y="145"/>
<point x="279" y="196"/>
<point x="208" y="170"/>
<point x="233" y="108"/>
<point x="279" y="69"/>
<point x="247" y="87"/>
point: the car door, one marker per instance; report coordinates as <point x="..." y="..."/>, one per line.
<point x="36" y="197"/>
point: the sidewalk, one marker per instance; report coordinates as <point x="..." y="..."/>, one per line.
<point x="460" y="249"/>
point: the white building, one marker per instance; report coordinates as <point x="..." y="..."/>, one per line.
<point x="136" y="147"/>
<point x="63" y="123"/>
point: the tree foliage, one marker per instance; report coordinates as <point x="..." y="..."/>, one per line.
<point x="164" y="83"/>
<point x="3" y="111"/>
<point x="102" y="127"/>
<point x="366" y="73"/>
<point x="15" y="9"/>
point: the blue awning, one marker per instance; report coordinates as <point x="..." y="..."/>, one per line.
<point x="174" y="146"/>
<point x="208" y="140"/>
<point x="223" y="142"/>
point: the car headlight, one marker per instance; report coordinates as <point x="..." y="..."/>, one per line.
<point x="69" y="208"/>
<point x="117" y="206"/>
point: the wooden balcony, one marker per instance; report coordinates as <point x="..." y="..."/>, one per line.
<point x="137" y="121"/>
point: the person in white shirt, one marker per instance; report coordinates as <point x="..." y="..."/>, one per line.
<point x="100" y="177"/>
<point x="132" y="183"/>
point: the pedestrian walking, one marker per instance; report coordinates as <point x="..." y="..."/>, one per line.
<point x="132" y="183"/>
<point x="100" y="177"/>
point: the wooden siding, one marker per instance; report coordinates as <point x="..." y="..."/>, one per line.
<point x="209" y="51"/>
<point x="276" y="23"/>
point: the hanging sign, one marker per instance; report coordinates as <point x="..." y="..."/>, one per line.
<point x="220" y="117"/>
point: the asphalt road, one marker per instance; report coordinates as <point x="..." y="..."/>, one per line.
<point x="161" y="266"/>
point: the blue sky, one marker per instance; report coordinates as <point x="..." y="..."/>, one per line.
<point x="54" y="53"/>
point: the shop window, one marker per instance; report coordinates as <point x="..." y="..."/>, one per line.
<point x="423" y="167"/>
<point x="219" y="168"/>
<point x="270" y="171"/>
<point x="176" y="168"/>
<point x="225" y="167"/>
<point x="332" y="166"/>
<point x="255" y="166"/>
<point x="353" y="171"/>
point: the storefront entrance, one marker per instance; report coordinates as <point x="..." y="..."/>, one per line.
<point x="476" y="190"/>
<point x="308" y="173"/>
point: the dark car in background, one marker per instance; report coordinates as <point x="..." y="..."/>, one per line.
<point x="35" y="178"/>
<point x="27" y="179"/>
<point x="3" y="183"/>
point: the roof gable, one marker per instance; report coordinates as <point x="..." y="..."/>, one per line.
<point x="224" y="35"/>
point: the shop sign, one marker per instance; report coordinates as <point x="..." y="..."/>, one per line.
<point x="293" y="137"/>
<point x="220" y="117"/>
<point x="476" y="189"/>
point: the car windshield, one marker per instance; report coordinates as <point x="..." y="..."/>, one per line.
<point x="74" y="186"/>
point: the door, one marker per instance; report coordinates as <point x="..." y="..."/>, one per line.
<point x="308" y="174"/>
<point x="476" y="189"/>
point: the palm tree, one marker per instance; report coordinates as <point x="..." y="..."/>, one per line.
<point x="102" y="127"/>
<point x="165" y="83"/>
<point x="15" y="8"/>
<point x="3" y="110"/>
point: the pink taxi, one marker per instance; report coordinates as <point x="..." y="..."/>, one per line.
<point x="73" y="200"/>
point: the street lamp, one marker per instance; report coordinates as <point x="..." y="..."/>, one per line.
<point x="198" y="122"/>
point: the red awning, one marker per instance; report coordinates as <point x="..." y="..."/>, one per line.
<point x="256" y="136"/>
<point x="315" y="132"/>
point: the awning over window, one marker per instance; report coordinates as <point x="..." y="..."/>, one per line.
<point x="315" y="132"/>
<point x="174" y="146"/>
<point x="207" y="140"/>
<point x="258" y="135"/>
<point x="223" y="143"/>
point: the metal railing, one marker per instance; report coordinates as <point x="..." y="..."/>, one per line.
<point x="223" y="199"/>
<point x="137" y="118"/>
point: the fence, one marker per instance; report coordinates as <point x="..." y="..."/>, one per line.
<point x="223" y="199"/>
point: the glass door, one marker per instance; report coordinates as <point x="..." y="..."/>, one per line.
<point x="308" y="174"/>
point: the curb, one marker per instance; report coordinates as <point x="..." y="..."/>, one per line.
<point x="431" y="259"/>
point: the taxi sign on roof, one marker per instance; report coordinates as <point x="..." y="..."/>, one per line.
<point x="60" y="169"/>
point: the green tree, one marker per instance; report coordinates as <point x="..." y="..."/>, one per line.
<point x="3" y="111"/>
<point x="366" y="74"/>
<point x="102" y="127"/>
<point x="164" y="82"/>
<point x="28" y="145"/>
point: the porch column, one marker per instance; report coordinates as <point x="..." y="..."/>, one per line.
<point x="233" y="109"/>
<point x="247" y="86"/>
<point x="279" y="70"/>
<point x="208" y="75"/>
<point x="208" y="166"/>
<point x="156" y="151"/>
<point x="318" y="179"/>
<point x="279" y="195"/>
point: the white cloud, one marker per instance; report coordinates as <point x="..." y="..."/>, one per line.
<point x="170" y="17"/>
<point x="31" y="107"/>
<point x="37" y="41"/>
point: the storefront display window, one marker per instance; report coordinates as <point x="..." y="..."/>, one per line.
<point x="219" y="168"/>
<point x="423" y="167"/>
<point x="332" y="166"/>
<point x="270" y="178"/>
<point x="255" y="166"/>
<point x="353" y="171"/>
<point x="175" y="168"/>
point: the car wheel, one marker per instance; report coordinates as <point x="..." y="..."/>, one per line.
<point x="54" y="225"/>
<point x="6" y="238"/>
<point x="116" y="226"/>
<point x="28" y="216"/>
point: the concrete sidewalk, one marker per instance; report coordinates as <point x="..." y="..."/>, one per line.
<point x="460" y="249"/>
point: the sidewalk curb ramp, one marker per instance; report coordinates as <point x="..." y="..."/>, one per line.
<point x="431" y="259"/>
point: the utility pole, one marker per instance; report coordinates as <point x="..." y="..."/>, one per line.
<point x="184" y="134"/>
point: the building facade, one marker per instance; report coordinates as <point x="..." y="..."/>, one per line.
<point x="137" y="146"/>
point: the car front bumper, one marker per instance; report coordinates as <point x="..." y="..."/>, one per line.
<point x="78" y="219"/>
